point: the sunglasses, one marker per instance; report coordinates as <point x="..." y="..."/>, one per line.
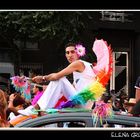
<point x="72" y="52"/>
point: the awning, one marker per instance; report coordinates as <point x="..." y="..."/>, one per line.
<point x="7" y="68"/>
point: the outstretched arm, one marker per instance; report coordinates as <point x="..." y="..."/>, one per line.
<point x="75" y="66"/>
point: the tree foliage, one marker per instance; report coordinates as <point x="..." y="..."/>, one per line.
<point x="38" y="25"/>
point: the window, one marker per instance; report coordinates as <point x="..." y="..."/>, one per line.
<point x="119" y="79"/>
<point x="63" y="124"/>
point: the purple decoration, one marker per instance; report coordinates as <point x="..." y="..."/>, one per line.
<point x="66" y="104"/>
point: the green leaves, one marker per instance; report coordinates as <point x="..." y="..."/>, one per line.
<point x="38" y="25"/>
<point x="42" y="21"/>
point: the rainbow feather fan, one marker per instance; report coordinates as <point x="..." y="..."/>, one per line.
<point x="103" y="70"/>
<point x="20" y="84"/>
<point x="101" y="110"/>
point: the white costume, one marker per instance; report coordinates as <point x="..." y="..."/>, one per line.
<point x="60" y="87"/>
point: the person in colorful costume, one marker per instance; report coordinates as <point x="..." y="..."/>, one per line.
<point x="84" y="74"/>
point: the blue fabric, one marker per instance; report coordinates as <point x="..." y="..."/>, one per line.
<point x="27" y="96"/>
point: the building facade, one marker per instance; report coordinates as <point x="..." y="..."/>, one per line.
<point x="119" y="28"/>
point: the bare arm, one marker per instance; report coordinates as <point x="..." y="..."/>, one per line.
<point x="75" y="66"/>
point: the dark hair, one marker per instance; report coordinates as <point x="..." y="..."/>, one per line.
<point x="40" y="88"/>
<point x="18" y="100"/>
<point x="70" y="44"/>
<point x="105" y="97"/>
<point x="85" y="57"/>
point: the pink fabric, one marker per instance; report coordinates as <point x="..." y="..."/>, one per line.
<point x="36" y="97"/>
